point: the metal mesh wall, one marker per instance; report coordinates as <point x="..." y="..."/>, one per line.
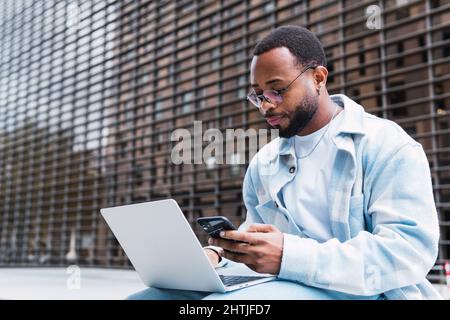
<point x="90" y="92"/>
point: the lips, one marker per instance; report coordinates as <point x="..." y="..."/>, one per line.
<point x="273" y="121"/>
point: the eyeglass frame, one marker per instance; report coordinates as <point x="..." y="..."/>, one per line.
<point x="278" y="92"/>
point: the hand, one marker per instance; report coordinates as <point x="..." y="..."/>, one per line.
<point x="212" y="256"/>
<point x="261" y="250"/>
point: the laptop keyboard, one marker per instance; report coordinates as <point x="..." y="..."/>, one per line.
<point x="232" y="280"/>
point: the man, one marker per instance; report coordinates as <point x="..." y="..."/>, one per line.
<point x="340" y="206"/>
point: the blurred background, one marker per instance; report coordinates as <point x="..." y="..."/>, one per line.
<point x="90" y="91"/>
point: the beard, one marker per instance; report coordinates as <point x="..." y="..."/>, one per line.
<point x="300" y="118"/>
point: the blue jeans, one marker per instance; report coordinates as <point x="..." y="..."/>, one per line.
<point x="272" y="290"/>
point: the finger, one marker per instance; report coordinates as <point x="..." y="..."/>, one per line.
<point x="231" y="245"/>
<point x="239" y="236"/>
<point x="260" y="227"/>
<point x="251" y="266"/>
<point x="236" y="257"/>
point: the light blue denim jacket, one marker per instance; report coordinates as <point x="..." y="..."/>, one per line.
<point x="382" y="211"/>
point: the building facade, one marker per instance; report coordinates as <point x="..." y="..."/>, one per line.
<point x="91" y="92"/>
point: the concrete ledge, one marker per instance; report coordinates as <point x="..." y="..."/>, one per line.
<point x="62" y="284"/>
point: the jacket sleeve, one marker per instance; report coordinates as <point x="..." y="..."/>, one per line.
<point x="400" y="250"/>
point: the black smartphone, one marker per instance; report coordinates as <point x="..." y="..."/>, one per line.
<point x="213" y="225"/>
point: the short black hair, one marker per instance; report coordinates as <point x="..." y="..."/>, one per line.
<point x="301" y="42"/>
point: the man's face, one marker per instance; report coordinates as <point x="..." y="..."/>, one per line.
<point x="274" y="70"/>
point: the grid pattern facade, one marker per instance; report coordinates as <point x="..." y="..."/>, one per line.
<point x="90" y="92"/>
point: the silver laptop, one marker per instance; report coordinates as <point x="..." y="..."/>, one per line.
<point x="166" y="253"/>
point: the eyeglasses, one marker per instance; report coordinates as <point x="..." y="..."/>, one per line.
<point x="273" y="96"/>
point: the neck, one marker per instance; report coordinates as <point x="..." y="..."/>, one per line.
<point x="324" y="113"/>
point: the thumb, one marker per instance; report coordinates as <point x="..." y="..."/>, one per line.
<point x="260" y="227"/>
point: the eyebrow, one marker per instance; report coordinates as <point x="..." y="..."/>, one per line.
<point x="267" y="82"/>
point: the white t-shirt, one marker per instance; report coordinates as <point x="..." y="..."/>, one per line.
<point x="305" y="196"/>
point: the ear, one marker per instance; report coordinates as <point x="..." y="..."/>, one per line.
<point x="320" y="77"/>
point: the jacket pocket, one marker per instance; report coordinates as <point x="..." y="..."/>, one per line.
<point x="270" y="214"/>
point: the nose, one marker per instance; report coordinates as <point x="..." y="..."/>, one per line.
<point x="265" y="106"/>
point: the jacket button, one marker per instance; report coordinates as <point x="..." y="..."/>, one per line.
<point x="291" y="169"/>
